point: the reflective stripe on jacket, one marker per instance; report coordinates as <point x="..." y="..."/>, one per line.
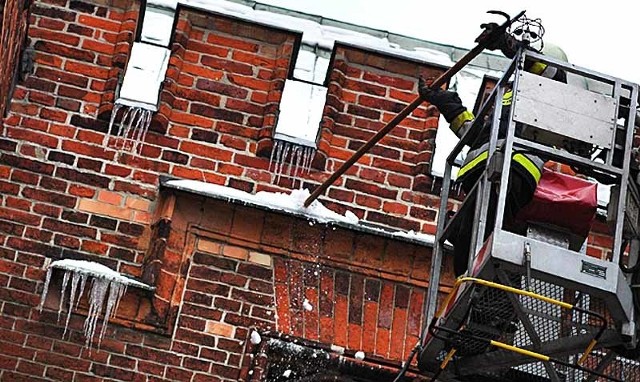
<point x="477" y="157"/>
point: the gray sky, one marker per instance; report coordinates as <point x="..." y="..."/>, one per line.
<point x="604" y="39"/>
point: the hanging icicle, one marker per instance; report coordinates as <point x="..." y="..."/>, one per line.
<point x="290" y="159"/>
<point x="132" y="128"/>
<point x="107" y="289"/>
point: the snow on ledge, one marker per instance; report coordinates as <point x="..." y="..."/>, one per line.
<point x="292" y="203"/>
<point x="98" y="270"/>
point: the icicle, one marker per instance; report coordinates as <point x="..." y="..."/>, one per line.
<point x="282" y="154"/>
<point x="296" y="174"/>
<point x="310" y="154"/>
<point x="114" y="113"/>
<point x="74" y="286"/>
<point x="87" y="321"/>
<point x="45" y="290"/>
<point x="126" y="113"/>
<point x="276" y="146"/>
<point x="285" y="154"/>
<point x="83" y="282"/>
<point x="113" y="299"/>
<point x="133" y="128"/>
<point x="102" y="279"/>
<point x="294" y="154"/>
<point x="278" y="157"/>
<point x="145" y="121"/>
<point x="65" y="281"/>
<point x="127" y="128"/>
<point x="96" y="300"/>
<point x="121" y="293"/>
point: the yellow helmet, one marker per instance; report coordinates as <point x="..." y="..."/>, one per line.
<point x="554" y="51"/>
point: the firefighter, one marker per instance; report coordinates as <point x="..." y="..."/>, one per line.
<point x="526" y="169"/>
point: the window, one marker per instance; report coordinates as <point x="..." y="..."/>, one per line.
<point x="303" y="100"/>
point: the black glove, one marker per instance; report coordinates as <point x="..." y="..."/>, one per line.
<point x="448" y="102"/>
<point x="504" y="41"/>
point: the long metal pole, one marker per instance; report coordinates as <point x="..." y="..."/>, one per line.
<point x="408" y="110"/>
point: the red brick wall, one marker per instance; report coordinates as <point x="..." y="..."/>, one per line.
<point x="219" y="269"/>
<point x="239" y="269"/>
<point x="389" y="185"/>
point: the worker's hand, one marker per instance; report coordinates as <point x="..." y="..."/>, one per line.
<point x="503" y="41"/>
<point x="448" y="102"/>
<point x="488" y="30"/>
<point x="429" y="94"/>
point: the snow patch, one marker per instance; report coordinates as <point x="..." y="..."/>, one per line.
<point x="320" y="35"/>
<point x="293" y="202"/>
<point x="287" y="373"/>
<point x="96" y="270"/>
<point x="255" y="338"/>
<point x="337" y="349"/>
<point x="359" y="355"/>
<point x="307" y="305"/>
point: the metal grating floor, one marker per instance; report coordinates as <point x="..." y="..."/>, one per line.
<point x="527" y="322"/>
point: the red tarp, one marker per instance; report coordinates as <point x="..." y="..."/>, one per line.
<point x="563" y="200"/>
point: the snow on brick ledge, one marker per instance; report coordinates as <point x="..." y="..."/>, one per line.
<point x="293" y="204"/>
<point x="107" y="288"/>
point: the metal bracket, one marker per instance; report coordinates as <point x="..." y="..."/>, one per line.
<point x="527" y="265"/>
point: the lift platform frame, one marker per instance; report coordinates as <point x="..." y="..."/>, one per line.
<point x="557" y="113"/>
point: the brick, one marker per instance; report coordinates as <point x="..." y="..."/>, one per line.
<point x="260" y="258"/>
<point x="83" y="177"/>
<point x="251" y="297"/>
<point x="100" y="208"/>
<point x="356" y="299"/>
<point x="58" y="156"/>
<point x="386" y="306"/>
<point x="81" y="6"/>
<point x="176" y="374"/>
<point x="204" y="135"/>
<point x="398" y="332"/>
<point x="61" y="76"/>
<point x="81" y="191"/>
<point x="88" y="150"/>
<point x="69" y="228"/>
<point x="19" y="216"/>
<point x="147" y="353"/>
<point x="89" y="123"/>
<point x="27" y="164"/>
<point x="224" y="89"/>
<point x="231" y="42"/>
<point x="235" y="252"/>
<point x="92" y="45"/>
<point x="63" y="361"/>
<point x="380" y="103"/>
<point x="54" y="13"/>
<point x="396" y="82"/>
<point x="220" y="329"/>
<point x="19" y="176"/>
<point x="341" y="321"/>
<point x="99" y="23"/>
<point x="121" y="171"/>
<point x="90" y="164"/>
<point x="249" y="83"/>
<point x="49" y="197"/>
<point x="110" y="197"/>
<point x="31" y="368"/>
